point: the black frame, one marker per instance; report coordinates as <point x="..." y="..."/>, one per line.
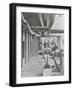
<point x="12" y="64"/>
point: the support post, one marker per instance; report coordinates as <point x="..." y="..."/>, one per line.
<point x="26" y="45"/>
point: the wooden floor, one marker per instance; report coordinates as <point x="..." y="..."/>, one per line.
<point x="35" y="67"/>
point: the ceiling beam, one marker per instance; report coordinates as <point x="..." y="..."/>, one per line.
<point x="39" y="28"/>
<point x="48" y="20"/>
<point x="41" y="19"/>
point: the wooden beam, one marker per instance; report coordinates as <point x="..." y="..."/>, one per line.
<point x="48" y="21"/>
<point x="46" y="29"/>
<point x="39" y="28"/>
<point x="26" y="49"/>
<point x="41" y="19"/>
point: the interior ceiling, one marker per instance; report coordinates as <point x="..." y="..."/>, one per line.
<point x="32" y="19"/>
<point x="43" y="20"/>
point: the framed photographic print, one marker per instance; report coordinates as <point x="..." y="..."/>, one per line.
<point x="40" y="44"/>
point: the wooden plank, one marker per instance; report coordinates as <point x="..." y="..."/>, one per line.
<point x="47" y="29"/>
<point x="41" y="19"/>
